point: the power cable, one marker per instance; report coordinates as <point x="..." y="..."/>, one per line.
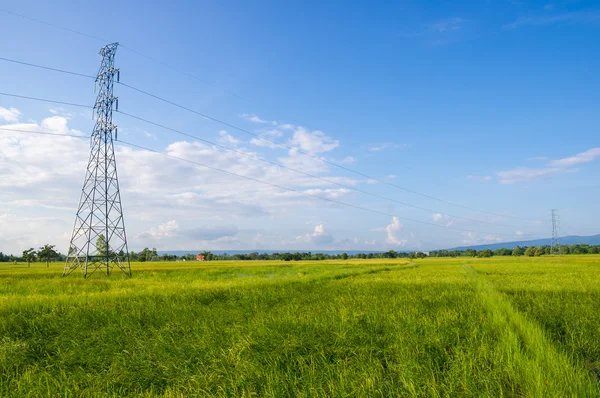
<point x="261" y="137"/>
<point x="315" y="157"/>
<point x="46" y="100"/>
<point x="307" y="174"/>
<point x="47" y="68"/>
<point x="245" y="131"/>
<point x="273" y="184"/>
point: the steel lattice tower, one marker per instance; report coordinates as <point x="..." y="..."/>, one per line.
<point x="554" y="243"/>
<point x="98" y="241"/>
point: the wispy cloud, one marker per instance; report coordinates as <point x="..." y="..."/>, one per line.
<point x="526" y="173"/>
<point x="392" y="230"/>
<point x="385" y="145"/>
<point x="9" y="114"/>
<point x="442" y="31"/>
<point x="558" y="166"/>
<point x="582" y="157"/>
<point x="256" y="119"/>
<point x="577" y="17"/>
<point x="226" y="138"/>
<point x="480" y="178"/>
<point x="447" y="25"/>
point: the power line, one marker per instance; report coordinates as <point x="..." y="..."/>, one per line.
<point x="54" y="25"/>
<point x="313" y="156"/>
<point x="129" y="49"/>
<point x="46" y="100"/>
<point x="41" y="133"/>
<point x="279" y="186"/>
<point x="257" y="135"/>
<point x="46" y="67"/>
<point x="252" y="156"/>
<point x="307" y="174"/>
<point x="305" y="193"/>
<point x="274" y="142"/>
<point x="243" y="153"/>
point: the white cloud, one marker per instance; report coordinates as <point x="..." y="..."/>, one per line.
<point x="472" y="238"/>
<point x="392" y="231"/>
<point x="348" y="160"/>
<point x="254" y="119"/>
<point x="582" y="157"/>
<point x="333" y="194"/>
<point x="262" y="142"/>
<point x="312" y="141"/>
<point x="168" y="229"/>
<point x="479" y="178"/>
<point x="525" y="173"/>
<point x="18" y="233"/>
<point x="385" y="145"/>
<point x="318" y="237"/>
<point x="10" y="114"/>
<point x="226" y="138"/>
<point x="520" y="233"/>
<point x="37" y="181"/>
<point x="170" y="235"/>
<point x="558" y="166"/>
<point x="439" y="217"/>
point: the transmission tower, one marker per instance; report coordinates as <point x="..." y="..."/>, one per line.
<point x="98" y="241"/>
<point x="554" y="243"/>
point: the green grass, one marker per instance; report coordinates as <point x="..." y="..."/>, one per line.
<point x="434" y="327"/>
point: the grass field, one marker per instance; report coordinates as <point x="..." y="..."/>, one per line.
<point x="434" y="327"/>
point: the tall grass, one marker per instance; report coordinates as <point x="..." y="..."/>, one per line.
<point x="309" y="329"/>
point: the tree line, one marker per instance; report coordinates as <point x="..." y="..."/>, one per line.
<point x="47" y="254"/>
<point x="44" y="254"/>
<point x="530" y="251"/>
<point x="152" y="255"/>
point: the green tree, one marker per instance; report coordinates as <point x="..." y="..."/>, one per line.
<point x="516" y="251"/>
<point x="530" y="252"/>
<point x="485" y="253"/>
<point x="30" y="256"/>
<point x="47" y="253"/>
<point x="538" y="251"/>
<point x="344" y="256"/>
<point x="101" y="245"/>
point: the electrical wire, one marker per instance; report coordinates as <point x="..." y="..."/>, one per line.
<point x="261" y="137"/>
<point x="308" y="174"/>
<point x="46" y="100"/>
<point x="265" y="160"/>
<point x="275" y="185"/>
<point x="47" y="68"/>
<point x="257" y="135"/>
<point x="315" y="157"/>
<point x="54" y="25"/>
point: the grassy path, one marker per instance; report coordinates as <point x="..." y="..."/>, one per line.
<point x="532" y="361"/>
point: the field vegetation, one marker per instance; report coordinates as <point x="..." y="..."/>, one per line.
<point x="501" y="326"/>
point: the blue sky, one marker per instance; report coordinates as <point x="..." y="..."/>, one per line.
<point x="491" y="105"/>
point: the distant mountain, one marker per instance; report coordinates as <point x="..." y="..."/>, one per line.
<point x="564" y="240"/>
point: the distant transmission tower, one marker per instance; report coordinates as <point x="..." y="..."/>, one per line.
<point x="98" y="241"/>
<point x="554" y="243"/>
